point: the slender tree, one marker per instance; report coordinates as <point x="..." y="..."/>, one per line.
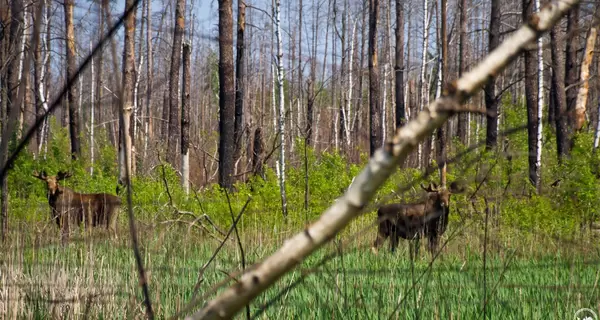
<point x="174" y="73"/>
<point x="491" y="101"/>
<point x="374" y="104"/>
<point x="571" y="74"/>
<point x="463" y="118"/>
<point x="226" y="94"/>
<point x="239" y="79"/>
<point x="125" y="143"/>
<point x="560" y="98"/>
<point x="74" y="131"/>
<point x="399" y="66"/>
<point x="540" y="108"/>
<point x="281" y="102"/>
<point x="441" y="131"/>
<point x="531" y="94"/>
<point x="582" y="96"/>
<point x="185" y="119"/>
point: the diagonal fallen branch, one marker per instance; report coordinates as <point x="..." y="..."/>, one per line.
<point x="380" y="167"/>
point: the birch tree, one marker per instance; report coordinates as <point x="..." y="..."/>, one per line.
<point x="281" y="103"/>
<point x="185" y="119"/>
<point x="423" y="79"/>
<point x="540" y="108"/>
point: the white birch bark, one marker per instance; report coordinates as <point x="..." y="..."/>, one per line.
<point x="25" y="36"/>
<point x="42" y="87"/>
<point x="597" y="133"/>
<point x="424" y="83"/>
<point x="348" y="110"/>
<point x="279" y="59"/>
<point x="538" y="161"/>
<point x="384" y="104"/>
<point x="383" y="163"/>
<point x="92" y="85"/>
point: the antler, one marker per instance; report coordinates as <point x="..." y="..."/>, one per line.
<point x="431" y="188"/>
<point x="41" y="176"/>
<point x="61" y="175"/>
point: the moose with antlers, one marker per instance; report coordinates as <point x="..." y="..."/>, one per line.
<point x="412" y="221"/>
<point x="72" y="208"/>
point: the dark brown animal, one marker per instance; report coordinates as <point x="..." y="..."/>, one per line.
<point x="72" y="208"/>
<point x="417" y="220"/>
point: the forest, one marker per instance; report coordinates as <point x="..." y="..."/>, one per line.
<point x="352" y="159"/>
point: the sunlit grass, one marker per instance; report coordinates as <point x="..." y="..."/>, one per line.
<point x="98" y="279"/>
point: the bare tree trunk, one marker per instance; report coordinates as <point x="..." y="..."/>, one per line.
<point x="441" y="131"/>
<point x="257" y="153"/>
<point x="185" y="119"/>
<point x="125" y="143"/>
<point x="560" y="98"/>
<point x="582" y="97"/>
<point x="281" y="121"/>
<point x="240" y="84"/>
<point x="174" y="108"/>
<point x="74" y="130"/>
<point x="374" y="104"/>
<point x="25" y="105"/>
<point x="149" y="78"/>
<point x="538" y="159"/>
<point x="571" y="75"/>
<point x="491" y="100"/>
<point x="399" y="67"/>
<point x="92" y="122"/>
<point x="463" y="123"/>
<point x="226" y="94"/>
<point x="41" y="57"/>
<point x="347" y="111"/>
<point x="12" y="107"/>
<point x="531" y="95"/>
<point x="423" y="80"/>
<point x="165" y="116"/>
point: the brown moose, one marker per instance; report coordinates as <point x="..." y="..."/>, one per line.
<point x="72" y="208"/>
<point x="413" y="221"/>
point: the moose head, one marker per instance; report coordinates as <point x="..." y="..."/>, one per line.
<point x="412" y="221"/>
<point x="52" y="181"/>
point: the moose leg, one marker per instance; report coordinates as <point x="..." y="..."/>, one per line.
<point x="416" y="246"/>
<point x="381" y="236"/>
<point x="433" y="244"/>
<point x="394" y="241"/>
<point x="64" y="230"/>
<point x="111" y="216"/>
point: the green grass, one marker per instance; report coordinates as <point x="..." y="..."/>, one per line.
<point x="529" y="278"/>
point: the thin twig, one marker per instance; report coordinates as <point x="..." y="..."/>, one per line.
<point x="201" y="273"/>
<point x="239" y="243"/>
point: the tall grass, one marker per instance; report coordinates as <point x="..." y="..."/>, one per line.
<point x="96" y="277"/>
